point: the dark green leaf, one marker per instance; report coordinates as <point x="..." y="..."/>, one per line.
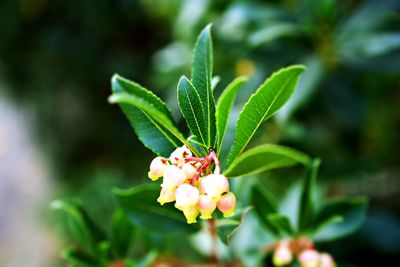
<point x="153" y="135"/>
<point x="264" y="103"/>
<point x="81" y="226"/>
<point x="224" y="106"/>
<point x="201" y="79"/>
<point x="190" y="104"/>
<point x="122" y="231"/>
<point x="307" y="201"/>
<point x="79" y="258"/>
<point x="265" y="157"/>
<point x="282" y="223"/>
<point x="264" y="204"/>
<point x="142" y="209"/>
<point x="227" y="227"/>
<point x="352" y="211"/>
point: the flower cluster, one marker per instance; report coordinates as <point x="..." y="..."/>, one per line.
<point x="190" y="182"/>
<point x="285" y="250"/>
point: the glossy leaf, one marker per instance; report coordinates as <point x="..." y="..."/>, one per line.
<point x="122" y="232"/>
<point x="264" y="204"/>
<point x="265" y="157"/>
<point x="142" y="209"/>
<point x="224" y="106"/>
<point x="353" y="212"/>
<point x="80" y="225"/>
<point x="202" y="81"/>
<point x="191" y="107"/>
<point x="153" y="113"/>
<point x="151" y="133"/>
<point x="307" y="201"/>
<point x="227" y="227"/>
<point x="263" y="104"/>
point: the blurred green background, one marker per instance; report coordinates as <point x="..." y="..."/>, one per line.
<point x="57" y="58"/>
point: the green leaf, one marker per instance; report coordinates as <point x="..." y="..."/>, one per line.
<point x="142" y="209"/>
<point x="224" y="106"/>
<point x="122" y="232"/>
<point x="153" y="113"/>
<point x="79" y="258"/>
<point x="307" y="201"/>
<point x="201" y="79"/>
<point x="81" y="226"/>
<point x="265" y="157"/>
<point x="264" y="204"/>
<point x="227" y="227"/>
<point x="264" y="103"/>
<point x="151" y="133"/>
<point x="352" y="211"/>
<point x="191" y="107"/>
<point x="282" y="223"/>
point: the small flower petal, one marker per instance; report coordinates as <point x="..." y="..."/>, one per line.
<point x="157" y="168"/>
<point x="186" y="196"/>
<point x="227" y="204"/>
<point x="206" y="206"/>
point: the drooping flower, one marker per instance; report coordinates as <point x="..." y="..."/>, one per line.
<point x="189" y="170"/>
<point x="282" y="254"/>
<point x="157" y="168"/>
<point x="214" y="185"/>
<point x="206" y="206"/>
<point x="173" y="177"/>
<point x="186" y="196"/>
<point x="326" y="260"/>
<point x="179" y="153"/>
<point x="166" y="195"/>
<point x="309" y="258"/>
<point x="226" y="204"/>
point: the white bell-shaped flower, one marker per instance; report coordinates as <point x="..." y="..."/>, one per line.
<point x="227" y="204"/>
<point x="326" y="260"/>
<point x="186" y="196"/>
<point x="157" y="168"/>
<point x="309" y="258"/>
<point x="189" y="170"/>
<point x="166" y="195"/>
<point x="173" y="177"/>
<point x="282" y="254"/>
<point x="206" y="206"/>
<point x="214" y="185"/>
<point x="179" y="153"/>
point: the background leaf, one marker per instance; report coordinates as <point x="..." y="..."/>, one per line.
<point x="201" y="78"/>
<point x="81" y="226"/>
<point x="264" y="204"/>
<point x="224" y="106"/>
<point x="142" y="209"/>
<point x="353" y="212"/>
<point x="264" y="103"/>
<point x="122" y="233"/>
<point x="79" y="258"/>
<point x="307" y="201"/>
<point x="226" y="227"/>
<point x="265" y="157"/>
<point x="152" y="134"/>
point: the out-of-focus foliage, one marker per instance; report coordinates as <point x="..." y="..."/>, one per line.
<point x="58" y="56"/>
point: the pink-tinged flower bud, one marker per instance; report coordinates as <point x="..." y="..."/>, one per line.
<point x="186" y="196"/>
<point x="309" y="258"/>
<point x="166" y="195"/>
<point x="206" y="206"/>
<point x="157" y="168"/>
<point x="189" y="170"/>
<point x="191" y="213"/>
<point x="326" y="260"/>
<point x="226" y="204"/>
<point x="214" y="185"/>
<point x="179" y="153"/>
<point x="282" y="254"/>
<point x="173" y="177"/>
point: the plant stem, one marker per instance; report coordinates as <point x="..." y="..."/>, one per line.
<point x="214" y="241"/>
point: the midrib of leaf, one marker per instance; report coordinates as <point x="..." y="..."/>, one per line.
<point x="158" y="210"/>
<point x="194" y="113"/>
<point x="161" y="130"/>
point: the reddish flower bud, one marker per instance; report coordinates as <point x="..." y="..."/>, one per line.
<point x="309" y="258"/>
<point x="226" y="204"/>
<point x="206" y="206"/>
<point x="326" y="260"/>
<point x="282" y="254"/>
